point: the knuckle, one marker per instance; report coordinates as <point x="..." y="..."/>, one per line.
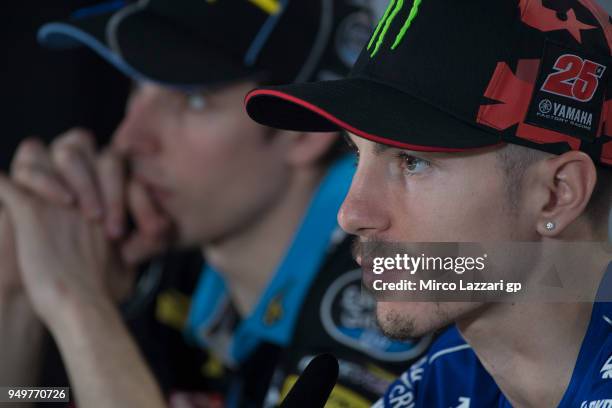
<point x="27" y="150"/>
<point x="65" y="156"/>
<point x="31" y="143"/>
<point x="23" y="174"/>
<point x="29" y="176"/>
<point x="80" y="137"/>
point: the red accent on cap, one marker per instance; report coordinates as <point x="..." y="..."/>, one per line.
<point x="602" y="17"/>
<point x="379" y="139"/>
<point x="534" y="14"/>
<point x="513" y="92"/>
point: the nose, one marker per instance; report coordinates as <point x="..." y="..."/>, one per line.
<point x="139" y="130"/>
<point x="363" y="211"/>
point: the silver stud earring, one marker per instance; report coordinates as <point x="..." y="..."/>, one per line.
<point x="550" y="225"/>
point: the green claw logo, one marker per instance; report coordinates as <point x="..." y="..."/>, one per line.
<point x="393" y="8"/>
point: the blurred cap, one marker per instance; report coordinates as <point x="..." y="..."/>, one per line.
<point x="199" y="43"/>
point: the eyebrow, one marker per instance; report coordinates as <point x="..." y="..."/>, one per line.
<point x="379" y="148"/>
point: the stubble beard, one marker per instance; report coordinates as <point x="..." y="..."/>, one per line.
<point x="396" y="325"/>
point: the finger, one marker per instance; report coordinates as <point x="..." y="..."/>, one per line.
<point x="112" y="181"/>
<point x="30" y="151"/>
<point x="149" y="219"/>
<point x="74" y="155"/>
<point x="152" y="227"/>
<point x="80" y="138"/>
<point x="32" y="168"/>
<point x="141" y="247"/>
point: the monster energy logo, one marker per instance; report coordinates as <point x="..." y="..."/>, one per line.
<point x="392" y="10"/>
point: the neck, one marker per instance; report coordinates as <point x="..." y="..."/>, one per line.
<point x="249" y="258"/>
<point x="530" y="348"/>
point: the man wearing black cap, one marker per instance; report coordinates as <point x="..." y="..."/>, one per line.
<point x="276" y="288"/>
<point x="483" y="121"/>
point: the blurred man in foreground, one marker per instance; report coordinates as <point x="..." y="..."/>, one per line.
<point x="192" y="169"/>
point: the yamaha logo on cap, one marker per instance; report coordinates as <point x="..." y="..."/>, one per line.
<point x="573" y="86"/>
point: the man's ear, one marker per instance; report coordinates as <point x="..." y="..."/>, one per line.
<point x="569" y="180"/>
<point x="308" y="148"/>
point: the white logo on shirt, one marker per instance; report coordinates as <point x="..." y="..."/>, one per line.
<point x="464" y="402"/>
<point x="605" y="403"/>
<point x="606" y="370"/>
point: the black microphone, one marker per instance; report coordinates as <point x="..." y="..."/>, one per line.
<point x="315" y="384"/>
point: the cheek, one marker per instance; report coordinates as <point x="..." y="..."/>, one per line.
<point x="197" y="167"/>
<point x="229" y="170"/>
<point x="472" y="215"/>
<point x="203" y="149"/>
<point x="447" y="211"/>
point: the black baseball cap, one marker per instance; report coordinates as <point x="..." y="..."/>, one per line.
<point x="448" y="75"/>
<point x="199" y="43"/>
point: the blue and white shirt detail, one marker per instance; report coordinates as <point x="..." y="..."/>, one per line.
<point x="451" y="376"/>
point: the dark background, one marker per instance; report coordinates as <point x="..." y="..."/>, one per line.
<point x="47" y="92"/>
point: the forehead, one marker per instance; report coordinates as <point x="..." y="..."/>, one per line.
<point x="228" y="89"/>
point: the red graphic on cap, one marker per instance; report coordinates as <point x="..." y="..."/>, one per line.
<point x="514" y="94"/>
<point x="602" y="17"/>
<point x="534" y="14"/>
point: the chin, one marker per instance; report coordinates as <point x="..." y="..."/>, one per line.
<point x="406" y="320"/>
<point x="185" y="237"/>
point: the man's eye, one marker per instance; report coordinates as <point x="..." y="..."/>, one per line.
<point x="411" y="164"/>
<point x="196" y="102"/>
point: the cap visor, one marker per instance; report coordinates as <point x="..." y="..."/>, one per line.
<point x="368" y="109"/>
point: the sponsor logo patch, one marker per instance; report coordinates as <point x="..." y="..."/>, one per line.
<point x="348" y="315"/>
<point x="569" y="93"/>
